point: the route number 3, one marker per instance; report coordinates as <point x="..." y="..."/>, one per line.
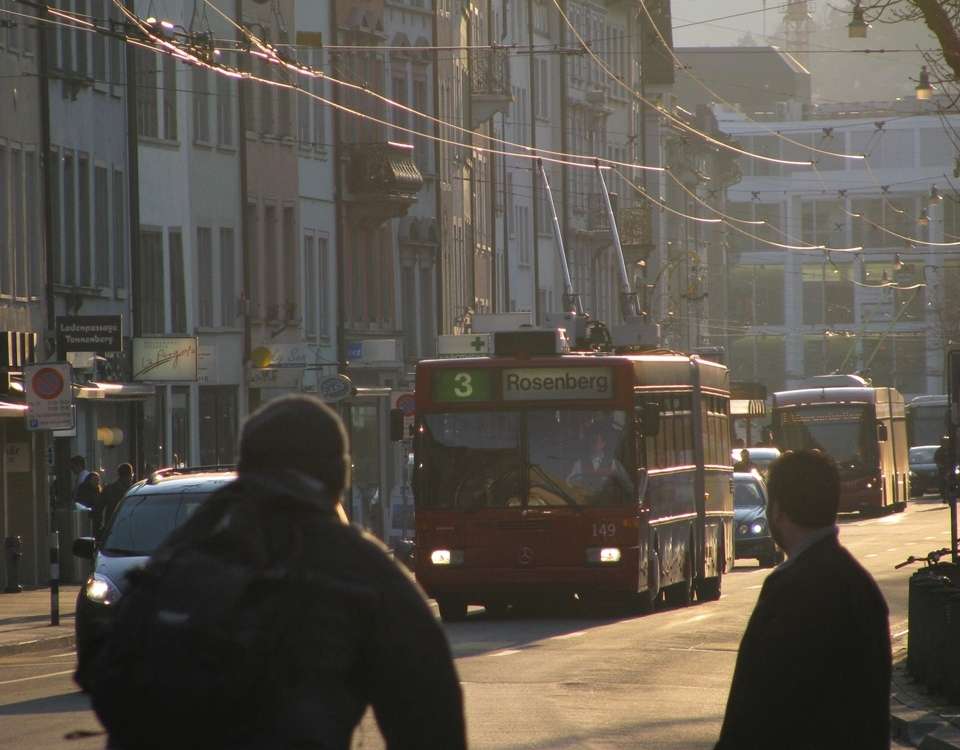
<point x="463" y="385"/>
<point x="604" y="529"/>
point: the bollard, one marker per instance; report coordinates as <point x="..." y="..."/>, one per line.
<point x="54" y="577"/>
<point x="919" y="655"/>
<point x="13" y="548"/>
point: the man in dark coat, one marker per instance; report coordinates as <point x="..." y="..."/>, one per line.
<point x="813" y="670"/>
<point x="363" y="634"/>
<point x="112" y="495"/>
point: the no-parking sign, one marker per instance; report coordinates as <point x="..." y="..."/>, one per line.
<point x="49" y="392"/>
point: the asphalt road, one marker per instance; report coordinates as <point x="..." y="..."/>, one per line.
<point x="555" y="678"/>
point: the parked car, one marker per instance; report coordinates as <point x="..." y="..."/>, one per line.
<point x="760" y="456"/>
<point x="752" y="533"/>
<point x="149" y="511"/>
<point x="924" y="474"/>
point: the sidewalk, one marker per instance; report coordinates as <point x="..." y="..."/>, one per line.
<point x="917" y="718"/>
<point x="25" y="621"/>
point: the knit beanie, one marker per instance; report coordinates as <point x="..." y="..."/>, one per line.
<point x="296" y="432"/>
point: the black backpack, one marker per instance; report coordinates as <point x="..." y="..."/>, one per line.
<point x="206" y="644"/>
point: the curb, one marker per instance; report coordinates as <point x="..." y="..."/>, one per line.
<point x="66" y="641"/>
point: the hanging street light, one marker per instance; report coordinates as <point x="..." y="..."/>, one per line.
<point x="935" y="196"/>
<point x="924" y="219"/>
<point x="857" y="28"/>
<point x="924" y="89"/>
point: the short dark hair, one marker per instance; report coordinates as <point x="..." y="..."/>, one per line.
<point x="125" y="470"/>
<point x="300" y="433"/>
<point x="806" y="486"/>
<point x="78" y="460"/>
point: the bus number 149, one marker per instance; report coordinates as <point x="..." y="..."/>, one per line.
<point x="604" y="529"/>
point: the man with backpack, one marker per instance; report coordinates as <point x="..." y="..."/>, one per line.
<point x="266" y="621"/>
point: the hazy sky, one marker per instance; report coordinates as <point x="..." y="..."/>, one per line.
<point x="725" y="32"/>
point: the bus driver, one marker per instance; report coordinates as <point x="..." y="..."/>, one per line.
<point x="598" y="465"/>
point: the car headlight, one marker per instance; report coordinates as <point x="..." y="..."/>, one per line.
<point x="447" y="557"/>
<point x="742" y="529"/>
<point x="603" y="555"/>
<point x="756" y="527"/>
<point x="101" y="590"/>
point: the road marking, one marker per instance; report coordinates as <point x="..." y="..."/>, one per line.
<point x="901" y="633"/>
<point x="37" y="677"/>
<point x="759" y="586"/>
<point x="563" y="637"/>
<point x="506" y="652"/>
<point x="897" y="518"/>
<point x="697" y="618"/>
<point x="893" y="549"/>
<point x="930" y="537"/>
<point x="872" y="554"/>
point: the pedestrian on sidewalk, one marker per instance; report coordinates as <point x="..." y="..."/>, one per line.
<point x="112" y="495"/>
<point x="813" y="670"/>
<point x="323" y="622"/>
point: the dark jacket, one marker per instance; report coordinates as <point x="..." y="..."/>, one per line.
<point x="813" y="671"/>
<point x="109" y="500"/>
<point x="373" y="642"/>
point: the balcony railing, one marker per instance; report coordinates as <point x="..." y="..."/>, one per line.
<point x="383" y="179"/>
<point x="490" y="72"/>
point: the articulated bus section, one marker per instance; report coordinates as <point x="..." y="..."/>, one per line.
<point x="605" y="476"/>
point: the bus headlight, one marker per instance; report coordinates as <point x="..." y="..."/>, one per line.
<point x="603" y="555"/>
<point x="447" y="557"/>
<point x="756" y="527"/>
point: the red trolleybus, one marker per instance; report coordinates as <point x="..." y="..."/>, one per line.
<point x="606" y="476"/>
<point x="865" y="431"/>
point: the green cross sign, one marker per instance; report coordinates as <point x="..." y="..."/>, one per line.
<point x="478" y="343"/>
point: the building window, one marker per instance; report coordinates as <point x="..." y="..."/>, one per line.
<point x="201" y="106"/>
<point x="152" y="282"/>
<point x="66" y="48"/>
<point x="823" y="354"/>
<point x="169" y="98"/>
<point x="408" y="292"/>
<point x="83" y="214"/>
<point x="119" y="231"/>
<point x="311" y="281"/>
<point x="225" y="96"/>
<point x="542" y="81"/>
<point x="178" y="285"/>
<point x="290" y="264"/>
<point x="80" y="39"/>
<point x="14" y="262"/>
<point x="33" y="198"/>
<point x="101" y="226"/>
<point x="56" y="246"/>
<point x="270" y="265"/>
<point x="423" y="146"/>
<point x="252" y="238"/>
<point x="117" y="52"/>
<point x="319" y="108"/>
<point x="401" y="118"/>
<point x="147" y="115"/>
<point x="69" y="219"/>
<point x="266" y="91"/>
<point x="154" y="431"/>
<point x="100" y="42"/>
<point x="428" y="328"/>
<point x="206" y="284"/>
<point x="228" y="278"/>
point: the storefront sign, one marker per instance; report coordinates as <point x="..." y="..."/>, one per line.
<point x="49" y="393"/>
<point x="288" y="378"/>
<point x="551" y="383"/>
<point x="165" y="359"/>
<point x="89" y="333"/>
<point x="335" y="388"/>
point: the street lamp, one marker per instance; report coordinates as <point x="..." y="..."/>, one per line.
<point x="924" y="219"/>
<point x="857" y="28"/>
<point x="924" y="89"/>
<point x="935" y="196"/>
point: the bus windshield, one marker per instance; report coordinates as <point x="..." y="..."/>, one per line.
<point x="844" y="431"/>
<point x="534" y="458"/>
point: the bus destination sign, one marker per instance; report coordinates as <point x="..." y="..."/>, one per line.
<point x="468" y="384"/>
<point x="552" y="383"/>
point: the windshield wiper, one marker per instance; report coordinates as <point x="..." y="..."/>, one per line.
<point x="554" y="485"/>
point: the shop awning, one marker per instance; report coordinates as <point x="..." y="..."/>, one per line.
<point x="747" y="407"/>
<point x="114" y="391"/>
<point x="11" y="409"/>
